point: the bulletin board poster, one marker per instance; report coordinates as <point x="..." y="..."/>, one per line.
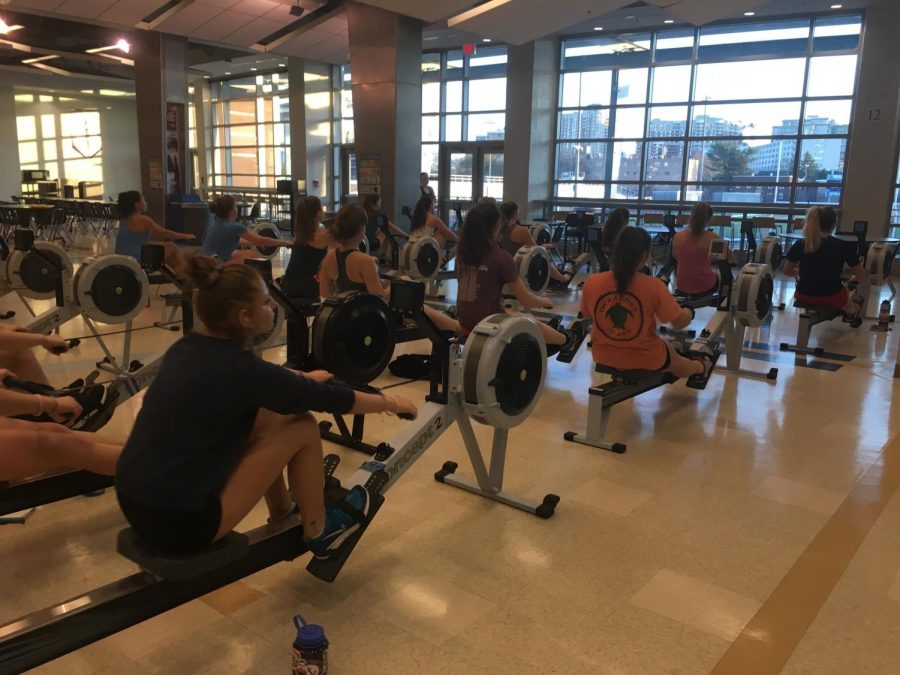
<point x="369" y="175"/>
<point x="176" y="148"/>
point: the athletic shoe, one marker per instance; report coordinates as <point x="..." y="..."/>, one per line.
<point x="341" y="520"/>
<point x="708" y="357"/>
<point x="576" y="333"/>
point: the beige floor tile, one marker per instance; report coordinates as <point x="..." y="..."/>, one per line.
<point x="696" y="603"/>
<point x="231" y="598"/>
<point x="612" y="497"/>
<point x="431" y="608"/>
<point x="799" y="494"/>
<point x="157" y="633"/>
<point x="894" y="593"/>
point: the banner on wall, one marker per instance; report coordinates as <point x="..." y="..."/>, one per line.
<point x="175" y="150"/>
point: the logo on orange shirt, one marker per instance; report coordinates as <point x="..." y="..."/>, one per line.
<point x="619" y="316"/>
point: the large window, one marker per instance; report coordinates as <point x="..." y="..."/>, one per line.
<point x="344" y="135"/>
<point x="463" y="100"/>
<point x="67" y="145"/>
<point x="251" y="134"/>
<point x="895" y="207"/>
<point x="748" y="113"/>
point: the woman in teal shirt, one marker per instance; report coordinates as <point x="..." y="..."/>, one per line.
<point x="225" y="236"/>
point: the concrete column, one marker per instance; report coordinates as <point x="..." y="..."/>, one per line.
<point x="532" y="71"/>
<point x="385" y="58"/>
<point x="872" y="150"/>
<point x="160" y="76"/>
<point x="10" y="174"/>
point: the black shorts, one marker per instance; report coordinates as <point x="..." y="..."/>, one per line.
<point x="173" y="531"/>
<point x="303" y="289"/>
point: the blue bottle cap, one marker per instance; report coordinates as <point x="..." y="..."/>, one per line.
<point x="311" y="635"/>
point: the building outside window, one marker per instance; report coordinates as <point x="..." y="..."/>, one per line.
<point x="463" y="101"/>
<point x="895" y="207"/>
<point x="66" y="144"/>
<point x="251" y="134"/>
<point x="750" y="113"/>
<point x="344" y="135"/>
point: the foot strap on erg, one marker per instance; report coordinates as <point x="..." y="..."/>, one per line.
<point x="710" y="356"/>
<point x="357" y="515"/>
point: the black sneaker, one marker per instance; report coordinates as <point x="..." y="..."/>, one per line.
<point x="575" y="336"/>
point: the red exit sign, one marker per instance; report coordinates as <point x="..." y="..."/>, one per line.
<point x="469" y="48"/>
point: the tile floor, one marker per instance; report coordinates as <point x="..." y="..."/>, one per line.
<point x="658" y="560"/>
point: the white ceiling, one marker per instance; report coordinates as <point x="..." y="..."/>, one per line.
<point x="233" y="23"/>
<point x="243" y="23"/>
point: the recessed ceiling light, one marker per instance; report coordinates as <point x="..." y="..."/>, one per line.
<point x="228" y="72"/>
<point x="749" y="13"/>
<point x="669" y="21"/>
<point x="485" y="39"/>
<point x="253" y="69"/>
<point x="122" y="45"/>
<point x="598" y="27"/>
<point x="281" y="65"/>
<point x="836" y="6"/>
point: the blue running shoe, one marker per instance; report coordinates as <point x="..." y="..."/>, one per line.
<point x="341" y="520"/>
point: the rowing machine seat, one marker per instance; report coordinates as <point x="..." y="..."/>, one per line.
<point x="229" y="548"/>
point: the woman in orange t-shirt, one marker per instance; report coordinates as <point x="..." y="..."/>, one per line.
<point x="624" y="305"/>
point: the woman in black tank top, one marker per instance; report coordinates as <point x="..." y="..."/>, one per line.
<point x="347" y="231"/>
<point x="309" y="249"/>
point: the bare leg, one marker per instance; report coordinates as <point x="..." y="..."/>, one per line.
<point x="24" y="364"/>
<point x="278" y="441"/>
<point x="47" y="447"/>
<point x="441" y="320"/>
<point x="551" y="337"/>
<point x="556" y="275"/>
<point x="681" y="366"/>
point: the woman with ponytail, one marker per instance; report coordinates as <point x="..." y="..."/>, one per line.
<point x="219" y="425"/>
<point x="311" y="241"/>
<point x="818" y="261"/>
<point x="482" y="270"/>
<point x="624" y="306"/>
<point x="690" y="247"/>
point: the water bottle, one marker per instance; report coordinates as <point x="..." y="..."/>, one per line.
<point x="884" y="315"/>
<point x="310" y="649"/>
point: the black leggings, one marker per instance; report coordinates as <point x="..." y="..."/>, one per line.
<point x="174" y="531"/>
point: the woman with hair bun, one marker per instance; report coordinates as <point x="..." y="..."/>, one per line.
<point x="219" y="425"/>
<point x="225" y="236"/>
<point x="346" y="268"/>
<point x="818" y="262"/>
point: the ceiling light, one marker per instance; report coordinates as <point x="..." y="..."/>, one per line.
<point x="38" y="59"/>
<point x="836" y="6"/>
<point x="206" y="77"/>
<point x="228" y="72"/>
<point x="122" y="45"/>
<point x="253" y="69"/>
<point x="669" y="21"/>
<point x="598" y="27"/>
<point x="296" y="10"/>
<point x="488" y="6"/>
<point x="749" y="13"/>
<point x="485" y="39"/>
<point x="6" y="28"/>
